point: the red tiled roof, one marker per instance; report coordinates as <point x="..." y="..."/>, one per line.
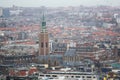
<point x="10" y="29"/>
<point x="32" y="70"/>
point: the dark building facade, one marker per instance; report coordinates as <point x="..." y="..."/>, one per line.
<point x="17" y="60"/>
<point x="9" y="61"/>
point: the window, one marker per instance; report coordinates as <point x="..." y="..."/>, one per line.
<point x="83" y="77"/>
<point x="47" y="75"/>
<point x="46" y="44"/>
<point x="77" y="76"/>
<point x="54" y="75"/>
<point x="42" y="45"/>
<point x="88" y="76"/>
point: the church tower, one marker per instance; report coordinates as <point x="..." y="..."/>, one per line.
<point x="43" y="39"/>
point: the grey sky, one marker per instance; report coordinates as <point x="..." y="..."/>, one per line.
<point x="57" y="3"/>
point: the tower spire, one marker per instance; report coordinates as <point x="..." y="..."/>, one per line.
<point x="43" y="38"/>
<point x="43" y="23"/>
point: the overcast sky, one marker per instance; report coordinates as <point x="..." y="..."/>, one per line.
<point x="57" y="3"/>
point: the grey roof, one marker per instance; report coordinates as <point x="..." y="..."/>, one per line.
<point x="70" y="52"/>
<point x="49" y="57"/>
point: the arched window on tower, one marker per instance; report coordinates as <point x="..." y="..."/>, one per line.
<point x="42" y="45"/>
<point x="46" y="44"/>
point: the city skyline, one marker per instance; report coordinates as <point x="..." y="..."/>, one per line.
<point x="56" y="3"/>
